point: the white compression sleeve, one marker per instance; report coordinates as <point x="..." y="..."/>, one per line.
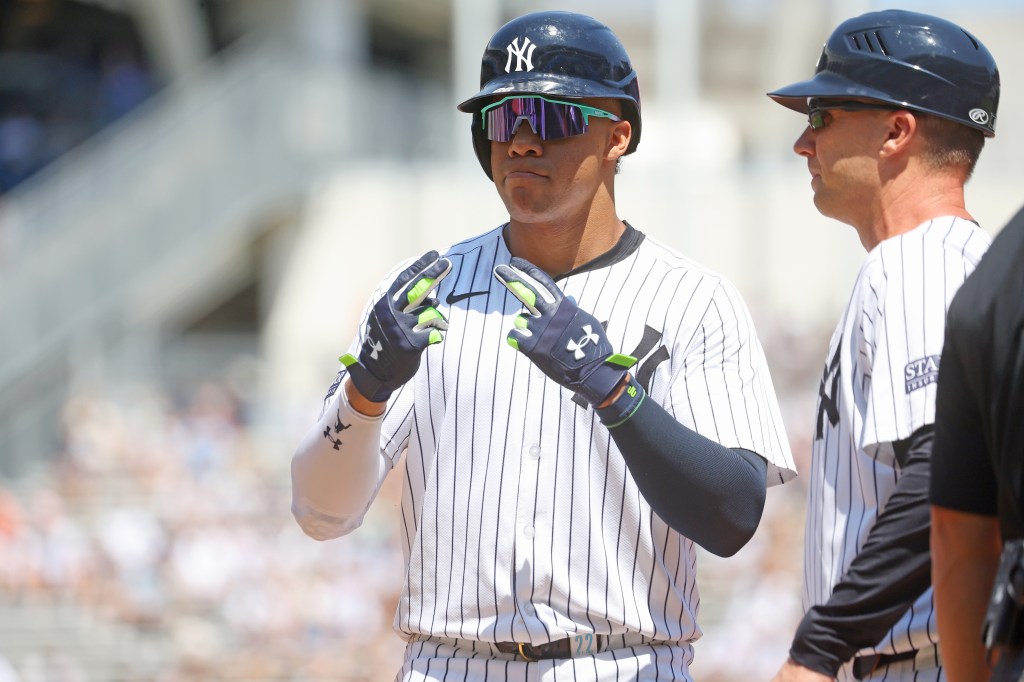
<point x="337" y="470"/>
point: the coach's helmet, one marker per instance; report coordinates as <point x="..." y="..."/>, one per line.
<point x="911" y="60"/>
<point x="563" y="54"/>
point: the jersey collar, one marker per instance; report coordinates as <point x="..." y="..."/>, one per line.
<point x="628" y="243"/>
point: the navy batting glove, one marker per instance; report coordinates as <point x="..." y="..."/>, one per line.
<point x="401" y="325"/>
<point x="568" y="344"/>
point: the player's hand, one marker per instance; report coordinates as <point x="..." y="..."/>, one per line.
<point x="401" y="325"/>
<point x="568" y="344"/>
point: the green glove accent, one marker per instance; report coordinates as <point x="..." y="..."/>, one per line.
<point x="523" y="293"/>
<point x="621" y="360"/>
<point x="428" y="315"/>
<point x="422" y="288"/>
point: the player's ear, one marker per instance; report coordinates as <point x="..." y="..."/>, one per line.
<point x="901" y="132"/>
<point x="618" y="140"/>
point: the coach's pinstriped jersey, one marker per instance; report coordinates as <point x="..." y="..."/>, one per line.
<point x="879" y="387"/>
<point x="519" y="519"/>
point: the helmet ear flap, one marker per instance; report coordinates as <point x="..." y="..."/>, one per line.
<point x="482" y="147"/>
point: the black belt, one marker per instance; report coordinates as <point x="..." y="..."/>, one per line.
<point x="863" y="666"/>
<point x="562" y="648"/>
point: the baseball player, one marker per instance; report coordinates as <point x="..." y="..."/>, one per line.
<point x="577" y="403"/>
<point x="898" y="111"/>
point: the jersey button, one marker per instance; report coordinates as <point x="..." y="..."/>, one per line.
<point x="528" y="531"/>
<point x="534" y="452"/>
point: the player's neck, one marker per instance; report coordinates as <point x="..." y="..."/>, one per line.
<point x="558" y="247"/>
<point x="906" y="206"/>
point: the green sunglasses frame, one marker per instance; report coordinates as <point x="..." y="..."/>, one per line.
<point x="586" y="110"/>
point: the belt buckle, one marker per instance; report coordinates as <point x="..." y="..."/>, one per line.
<point x="522" y="652"/>
<point x="577" y="646"/>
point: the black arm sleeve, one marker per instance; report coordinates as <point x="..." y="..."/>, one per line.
<point x="891" y="571"/>
<point x="705" y="491"/>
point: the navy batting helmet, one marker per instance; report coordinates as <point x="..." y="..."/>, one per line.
<point x="562" y="54"/>
<point x="913" y="61"/>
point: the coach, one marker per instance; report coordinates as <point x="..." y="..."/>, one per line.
<point x="898" y="111"/>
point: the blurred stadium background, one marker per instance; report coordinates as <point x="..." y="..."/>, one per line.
<point x="196" y="197"/>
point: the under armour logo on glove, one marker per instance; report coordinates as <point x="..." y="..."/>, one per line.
<point x="576" y="347"/>
<point x="401" y="325"/>
<point x="566" y="343"/>
<point x="374" y="346"/>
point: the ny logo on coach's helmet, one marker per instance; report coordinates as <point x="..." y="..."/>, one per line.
<point x="523" y="55"/>
<point x="576" y="347"/>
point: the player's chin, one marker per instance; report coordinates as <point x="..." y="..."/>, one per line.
<point x="525" y="206"/>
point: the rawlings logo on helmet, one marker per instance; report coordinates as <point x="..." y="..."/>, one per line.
<point x="979" y="116"/>
<point x="523" y="55"/>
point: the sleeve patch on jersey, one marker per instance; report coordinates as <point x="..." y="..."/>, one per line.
<point x="920" y="373"/>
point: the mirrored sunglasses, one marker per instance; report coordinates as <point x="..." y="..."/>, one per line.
<point x="816" y="109"/>
<point x="550" y="119"/>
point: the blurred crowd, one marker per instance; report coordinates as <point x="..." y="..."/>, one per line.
<point x="171" y="522"/>
<point x="66" y="72"/>
<point x="171" y="518"/>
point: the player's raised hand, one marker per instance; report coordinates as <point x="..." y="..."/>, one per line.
<point x="401" y="325"/>
<point x="568" y="344"/>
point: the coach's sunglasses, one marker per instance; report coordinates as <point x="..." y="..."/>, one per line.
<point x="550" y="119"/>
<point x="816" y="109"/>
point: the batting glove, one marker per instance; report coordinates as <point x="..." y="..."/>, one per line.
<point x="568" y="344"/>
<point x="401" y="325"/>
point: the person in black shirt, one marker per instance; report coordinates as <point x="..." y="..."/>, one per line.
<point x="977" y="481"/>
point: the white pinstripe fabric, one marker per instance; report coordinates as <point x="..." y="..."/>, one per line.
<point x="895" y="318"/>
<point x="519" y="519"/>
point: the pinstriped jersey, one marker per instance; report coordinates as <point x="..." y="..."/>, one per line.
<point x="519" y="519"/>
<point x="878" y="387"/>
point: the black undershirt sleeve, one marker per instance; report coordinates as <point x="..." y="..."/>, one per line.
<point x="712" y="494"/>
<point x="891" y="571"/>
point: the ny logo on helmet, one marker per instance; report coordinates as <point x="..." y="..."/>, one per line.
<point x="523" y="55"/>
<point x="978" y="116"/>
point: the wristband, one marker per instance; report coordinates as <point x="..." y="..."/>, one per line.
<point x="624" y="407"/>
